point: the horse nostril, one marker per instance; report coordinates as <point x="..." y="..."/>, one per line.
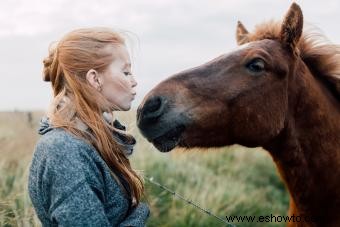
<point x="153" y="108"/>
<point x="153" y="105"/>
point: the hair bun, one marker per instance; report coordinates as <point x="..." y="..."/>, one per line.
<point x="48" y="61"/>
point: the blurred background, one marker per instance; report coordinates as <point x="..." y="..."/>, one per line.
<point x="165" y="37"/>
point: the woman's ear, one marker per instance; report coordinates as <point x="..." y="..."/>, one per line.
<point x="93" y="77"/>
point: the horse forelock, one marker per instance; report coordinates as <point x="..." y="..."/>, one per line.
<point x="320" y="55"/>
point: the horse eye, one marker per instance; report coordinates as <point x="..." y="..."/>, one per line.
<point x="256" y="65"/>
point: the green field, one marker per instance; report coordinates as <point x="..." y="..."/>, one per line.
<point x="227" y="181"/>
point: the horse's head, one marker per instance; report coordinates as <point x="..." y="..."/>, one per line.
<point x="240" y="97"/>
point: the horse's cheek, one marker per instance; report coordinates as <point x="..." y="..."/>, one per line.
<point x="260" y="121"/>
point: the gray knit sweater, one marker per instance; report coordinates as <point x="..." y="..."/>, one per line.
<point x="71" y="185"/>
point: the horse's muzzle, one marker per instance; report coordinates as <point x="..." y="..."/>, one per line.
<point x="159" y="124"/>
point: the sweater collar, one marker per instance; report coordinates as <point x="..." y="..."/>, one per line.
<point x="120" y="138"/>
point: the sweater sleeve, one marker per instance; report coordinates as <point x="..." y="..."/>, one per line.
<point x="72" y="186"/>
<point x="81" y="208"/>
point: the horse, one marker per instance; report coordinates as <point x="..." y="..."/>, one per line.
<point x="279" y="89"/>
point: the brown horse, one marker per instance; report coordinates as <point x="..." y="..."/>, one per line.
<point x="279" y="90"/>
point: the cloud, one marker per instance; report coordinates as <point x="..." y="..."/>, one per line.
<point x="168" y="36"/>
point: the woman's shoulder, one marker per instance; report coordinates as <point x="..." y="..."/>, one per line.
<point x="61" y="136"/>
<point x="61" y="156"/>
<point x="60" y="140"/>
<point x="58" y="148"/>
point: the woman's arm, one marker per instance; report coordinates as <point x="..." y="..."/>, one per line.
<point x="81" y="208"/>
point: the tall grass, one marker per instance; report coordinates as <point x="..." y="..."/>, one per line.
<point x="227" y="181"/>
<point x="17" y="138"/>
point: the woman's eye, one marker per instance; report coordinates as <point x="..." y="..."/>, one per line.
<point x="256" y="65"/>
<point x="127" y="73"/>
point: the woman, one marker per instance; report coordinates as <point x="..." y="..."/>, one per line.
<point x="80" y="174"/>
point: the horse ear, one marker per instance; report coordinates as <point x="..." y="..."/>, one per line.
<point x="241" y="34"/>
<point x="291" y="29"/>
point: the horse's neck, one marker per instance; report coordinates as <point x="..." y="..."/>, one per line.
<point x="307" y="151"/>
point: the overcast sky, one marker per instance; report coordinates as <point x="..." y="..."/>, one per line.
<point x="167" y="36"/>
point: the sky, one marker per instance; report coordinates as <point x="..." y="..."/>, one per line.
<point x="166" y="36"/>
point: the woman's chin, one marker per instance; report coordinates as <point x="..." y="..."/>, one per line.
<point x="121" y="107"/>
<point x="125" y="108"/>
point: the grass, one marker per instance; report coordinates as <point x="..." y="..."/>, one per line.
<point x="228" y="181"/>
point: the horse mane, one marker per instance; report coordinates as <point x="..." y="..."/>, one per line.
<point x="319" y="54"/>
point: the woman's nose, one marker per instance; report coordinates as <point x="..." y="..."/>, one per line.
<point x="134" y="82"/>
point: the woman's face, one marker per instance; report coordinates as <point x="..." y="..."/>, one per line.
<point x="118" y="84"/>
